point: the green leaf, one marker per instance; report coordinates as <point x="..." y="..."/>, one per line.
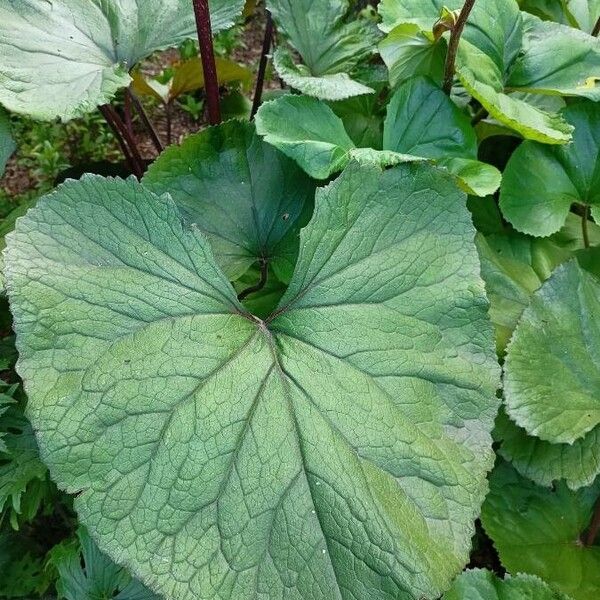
<point x="307" y="131"/>
<point x="339" y="447"/>
<point x="330" y="42"/>
<point x="362" y="119"/>
<point x="7" y="143"/>
<point x="66" y="57"/>
<point x="480" y="584"/>
<point x="556" y="59"/>
<point x="578" y="464"/>
<point x="513" y="268"/>
<point x="331" y="86"/>
<point x="552" y="373"/>
<point x="494" y="26"/>
<point x="536" y="530"/>
<point x="482" y="78"/>
<point x="541" y="183"/>
<point x="408" y="51"/>
<point x="421" y="123"/>
<point x="85" y="573"/>
<point x="421" y="120"/>
<point x="247" y="197"/>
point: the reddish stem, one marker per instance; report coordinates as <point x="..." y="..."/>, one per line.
<point x="453" y="45"/>
<point x="128" y="146"/>
<point x="147" y="123"/>
<point x="594" y="527"/>
<point x="262" y="69"/>
<point x="207" y="54"/>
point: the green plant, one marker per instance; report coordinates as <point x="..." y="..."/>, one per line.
<point x="323" y="355"/>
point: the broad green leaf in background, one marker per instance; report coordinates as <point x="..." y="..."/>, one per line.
<point x="342" y="444"/>
<point x="540" y="182"/>
<point x="513" y="267"/>
<point x="66" y="57"/>
<point x="409" y="50"/>
<point x="7" y="143"/>
<point x="246" y="196"/>
<point x="537" y="530"/>
<point x="556" y="59"/>
<point x="480" y="584"/>
<point x="483" y="79"/>
<point x="582" y="14"/>
<point x="542" y="462"/>
<point x="85" y="573"/>
<point x="421" y="123"/>
<point x="331" y="43"/>
<point x="552" y="371"/>
<point x="188" y="76"/>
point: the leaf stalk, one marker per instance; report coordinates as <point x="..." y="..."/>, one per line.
<point x="264" y="272"/>
<point x="584" y="226"/>
<point x="207" y="55"/>
<point x="457" y="30"/>
<point x="262" y="69"/>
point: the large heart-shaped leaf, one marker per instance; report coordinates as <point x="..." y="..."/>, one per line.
<point x="479" y="584"/>
<point x="245" y="195"/>
<point x="7" y="143"/>
<point x="578" y="464"/>
<point x="331" y="43"/>
<point x="582" y="14"/>
<point x="552" y="373"/>
<point x="421" y="123"/>
<point x="537" y="530"/>
<point x="63" y="58"/>
<point x="336" y="449"/>
<point x="541" y="183"/>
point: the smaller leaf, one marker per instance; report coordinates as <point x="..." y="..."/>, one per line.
<point x="335" y="86"/>
<point x="408" y="50"/>
<point x="541" y="182"/>
<point x="552" y="371"/>
<point x="556" y="59"/>
<point x="249" y="199"/>
<point x="578" y="464"/>
<point x="480" y="584"/>
<point x="85" y="573"/>
<point x="537" y="530"/>
<point x="482" y="79"/>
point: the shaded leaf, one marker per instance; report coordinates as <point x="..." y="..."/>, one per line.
<point x="578" y="464"/>
<point x="85" y="573"/>
<point x="207" y="443"/>
<point x="541" y="182"/>
<point x="536" y="530"/>
<point x="7" y="143"/>
<point x="64" y="58"/>
<point x="247" y="197"/>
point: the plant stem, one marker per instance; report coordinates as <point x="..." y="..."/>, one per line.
<point x="128" y="147"/>
<point x="169" y="116"/>
<point x="262" y="69"/>
<point x="596" y="29"/>
<point x="207" y="54"/>
<point x="584" y="226"/>
<point x="264" y="272"/>
<point x="147" y="123"/>
<point x="594" y="527"/>
<point x="481" y="114"/>
<point x="453" y="45"/>
<point x="127" y="112"/>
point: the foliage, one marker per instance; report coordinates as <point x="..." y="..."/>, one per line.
<point x="270" y="368"/>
